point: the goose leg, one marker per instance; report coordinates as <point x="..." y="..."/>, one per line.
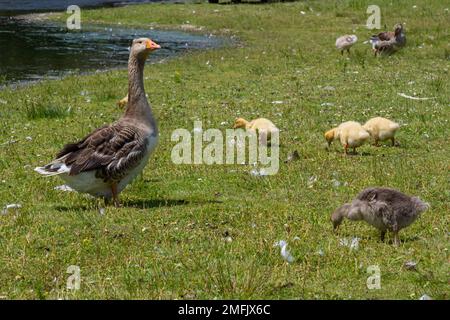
<point x="382" y="235"/>
<point x="393" y="141"/>
<point x="377" y="144"/>
<point x="345" y="149"/>
<point x="396" y="239"/>
<point x="354" y="150"/>
<point x="115" y="194"/>
<point x="348" y="51"/>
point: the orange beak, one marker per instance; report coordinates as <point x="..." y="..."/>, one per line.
<point x="152" y="45"/>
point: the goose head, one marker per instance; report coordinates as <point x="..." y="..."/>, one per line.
<point x="240" y="123"/>
<point x="330" y="135"/>
<point x="339" y="214"/>
<point x="143" y="46"/>
<point x="352" y="39"/>
<point x="398" y="29"/>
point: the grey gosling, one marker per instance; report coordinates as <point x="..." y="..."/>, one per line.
<point x="385" y="209"/>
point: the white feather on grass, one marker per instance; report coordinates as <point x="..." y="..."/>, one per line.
<point x="284" y="251"/>
<point x="401" y="94"/>
<point x="11" y="206"/>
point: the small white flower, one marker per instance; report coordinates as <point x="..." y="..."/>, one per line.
<point x="101" y="211"/>
<point x="258" y="173"/>
<point x="353" y="244"/>
<point x="302" y="12"/>
<point x="336" y="183"/>
<point x="311" y="181"/>
<point x="277" y="102"/>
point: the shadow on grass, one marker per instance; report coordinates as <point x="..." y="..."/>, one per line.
<point x="141" y="204"/>
<point x="157" y="203"/>
<point x="376" y="238"/>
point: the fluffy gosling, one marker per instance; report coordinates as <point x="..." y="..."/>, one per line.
<point x="381" y="129"/>
<point x="351" y="135"/>
<point x="122" y="102"/>
<point x="385" y="209"/>
<point x="345" y="43"/>
<point x="263" y="127"/>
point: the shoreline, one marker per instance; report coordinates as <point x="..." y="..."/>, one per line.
<point x="53" y="17"/>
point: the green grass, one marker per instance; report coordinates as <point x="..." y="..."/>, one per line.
<point x="168" y="241"/>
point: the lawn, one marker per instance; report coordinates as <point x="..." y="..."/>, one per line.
<point x="208" y="231"/>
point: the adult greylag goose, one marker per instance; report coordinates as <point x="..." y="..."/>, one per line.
<point x="345" y="43"/>
<point x="109" y="158"/>
<point x="385" y="209"/>
<point x="388" y="41"/>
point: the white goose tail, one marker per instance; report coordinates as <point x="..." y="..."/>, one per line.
<point x="53" y="168"/>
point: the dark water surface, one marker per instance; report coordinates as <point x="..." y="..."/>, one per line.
<point x="36" y="50"/>
<point x="12" y="6"/>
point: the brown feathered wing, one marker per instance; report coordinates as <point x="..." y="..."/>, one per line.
<point x="110" y="150"/>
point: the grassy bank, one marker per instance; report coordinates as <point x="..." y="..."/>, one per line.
<point x="172" y="237"/>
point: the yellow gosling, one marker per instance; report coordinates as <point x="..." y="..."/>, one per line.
<point x="381" y="129"/>
<point x="262" y="126"/>
<point x="351" y="135"/>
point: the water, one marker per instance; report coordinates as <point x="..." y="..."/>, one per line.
<point x="35" y="50"/>
<point x="46" y="5"/>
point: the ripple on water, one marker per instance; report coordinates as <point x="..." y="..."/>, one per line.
<point x="32" y="51"/>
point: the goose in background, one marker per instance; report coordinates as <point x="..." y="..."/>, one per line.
<point x="389" y="41"/>
<point x="109" y="158"/>
<point x="346" y="42"/>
